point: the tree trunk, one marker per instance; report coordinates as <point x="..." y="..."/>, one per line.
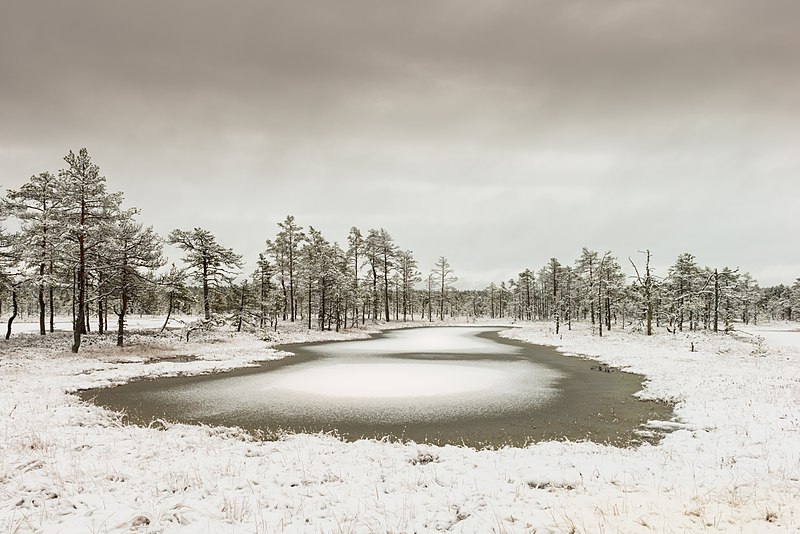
<point x="74" y="298"/>
<point x="52" y="311"/>
<point x="78" y="325"/>
<point x="100" y="306"/>
<point x="569" y="300"/>
<point x="309" y="304"/>
<point x="285" y="298"/>
<point x="339" y="314"/>
<point x="14" y="309"/>
<point x="441" y="299"/>
<point x="555" y="297"/>
<point x="373" y="311"/>
<point x="405" y="300"/>
<point x="386" y="285"/>
<point x="716" y="301"/>
<point x="241" y="310"/>
<point x="123" y="308"/>
<point x="169" y="310"/>
<point x="292" y="303"/>
<point x="649" y="297"/>
<point x="42" y="330"/>
<point x="322" y="305"/>
<point x="206" y="304"/>
<point x="263" y="299"/>
<point x="430" y="298"/>
<point x="599" y="307"/>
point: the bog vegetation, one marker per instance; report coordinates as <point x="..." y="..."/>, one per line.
<point x="78" y="250"/>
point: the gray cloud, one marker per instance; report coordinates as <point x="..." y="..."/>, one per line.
<point x="496" y="133"/>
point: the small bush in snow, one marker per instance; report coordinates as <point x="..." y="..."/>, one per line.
<point x="423" y="457"/>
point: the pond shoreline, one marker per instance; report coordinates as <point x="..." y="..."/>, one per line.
<point x="589" y="406"/>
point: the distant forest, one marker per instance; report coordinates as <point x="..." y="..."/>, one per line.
<point x="80" y="252"/>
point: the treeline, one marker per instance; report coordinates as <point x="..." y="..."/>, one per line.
<point x="594" y="288"/>
<point x="78" y="251"/>
<point x="303" y="276"/>
<point x="75" y="238"/>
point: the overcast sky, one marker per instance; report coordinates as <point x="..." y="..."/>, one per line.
<point x="498" y="134"/>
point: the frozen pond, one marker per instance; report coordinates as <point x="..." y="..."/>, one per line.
<point x="443" y="385"/>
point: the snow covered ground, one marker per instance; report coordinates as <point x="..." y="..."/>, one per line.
<point x="30" y="324"/>
<point x="731" y="464"/>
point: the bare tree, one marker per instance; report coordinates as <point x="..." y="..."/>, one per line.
<point x="646" y="283"/>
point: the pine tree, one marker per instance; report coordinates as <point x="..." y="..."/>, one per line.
<point x="285" y="248"/>
<point x="684" y="282"/>
<point x="174" y="284"/>
<point x="262" y="283"/>
<point x="132" y="248"/>
<point x="319" y="264"/>
<point x="355" y="244"/>
<point x="525" y="288"/>
<point x="749" y="295"/>
<point x="725" y="297"/>
<point x="409" y="276"/>
<point x="380" y="251"/>
<point x="87" y="211"/>
<point x="281" y="270"/>
<point x="614" y="285"/>
<point x="11" y="278"/>
<point x="608" y="277"/>
<point x="553" y="279"/>
<point x="373" y="257"/>
<point x="211" y="264"/>
<point x="444" y="280"/>
<point x="585" y="267"/>
<point x="793" y="300"/>
<point x="387" y="250"/>
<point x="36" y="205"/>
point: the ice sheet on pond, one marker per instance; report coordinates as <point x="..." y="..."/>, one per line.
<point x="369" y="381"/>
<point x="360" y="379"/>
<point x="421" y="341"/>
<point x="371" y="391"/>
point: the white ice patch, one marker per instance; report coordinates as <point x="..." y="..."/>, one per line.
<point x="383" y="380"/>
<point x="783" y="335"/>
<point x="435" y="374"/>
<point x="420" y="341"/>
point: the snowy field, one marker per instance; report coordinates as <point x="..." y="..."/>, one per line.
<point x="731" y="464"/>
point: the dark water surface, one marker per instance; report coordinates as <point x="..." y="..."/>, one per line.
<point x="447" y="385"/>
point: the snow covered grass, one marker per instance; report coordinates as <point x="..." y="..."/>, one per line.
<point x="732" y="462"/>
